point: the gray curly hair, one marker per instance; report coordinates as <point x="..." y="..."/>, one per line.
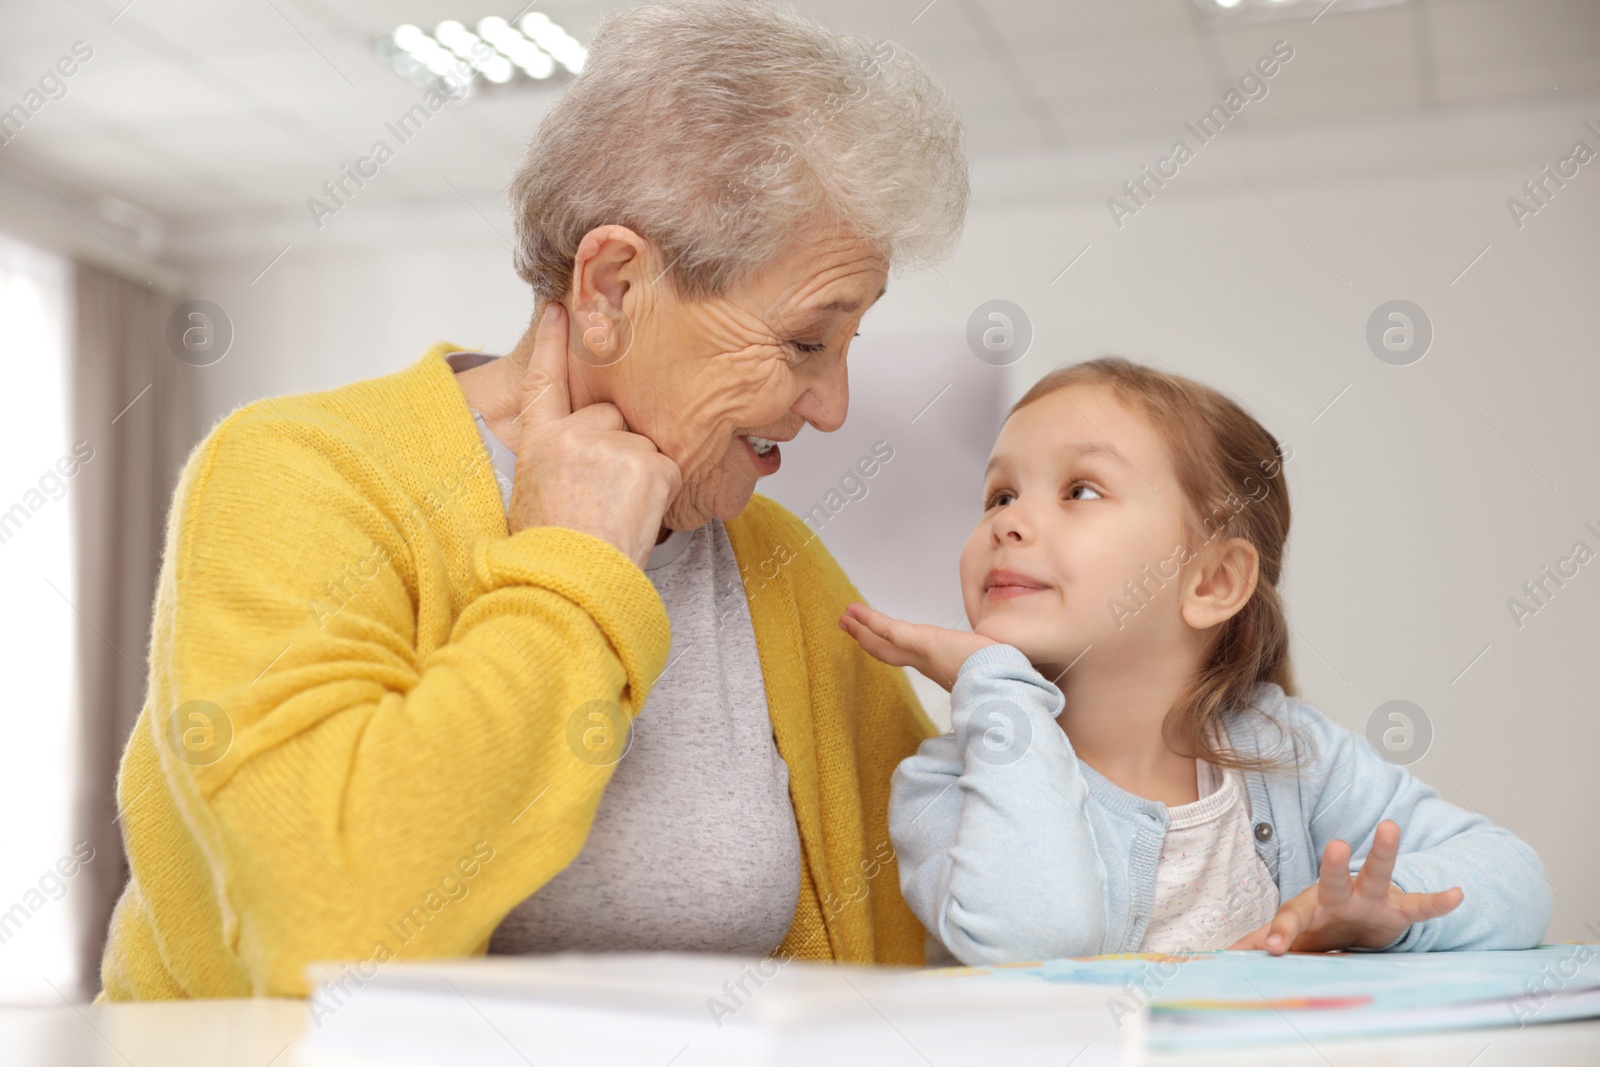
<point x="719" y="129"/>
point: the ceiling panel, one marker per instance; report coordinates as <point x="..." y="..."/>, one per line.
<point x="1119" y="20"/>
<point x="194" y="108"/>
<point x="198" y="24"/>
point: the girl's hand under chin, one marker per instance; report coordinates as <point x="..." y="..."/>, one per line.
<point x="934" y="650"/>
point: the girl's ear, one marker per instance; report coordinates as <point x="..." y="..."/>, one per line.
<point x="1221" y="584"/>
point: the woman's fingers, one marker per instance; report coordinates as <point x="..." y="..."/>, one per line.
<point x="1378" y="868"/>
<point x="544" y="382"/>
<point x="584" y="470"/>
<point x="604" y="415"/>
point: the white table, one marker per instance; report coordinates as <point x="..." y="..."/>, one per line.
<point x="262" y="1033"/>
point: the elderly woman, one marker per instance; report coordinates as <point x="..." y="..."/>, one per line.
<point x="503" y="654"/>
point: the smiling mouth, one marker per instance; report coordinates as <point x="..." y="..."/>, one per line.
<point x="764" y="453"/>
<point x="1003" y="584"/>
<point x="762" y="445"/>
<point x="1008" y="592"/>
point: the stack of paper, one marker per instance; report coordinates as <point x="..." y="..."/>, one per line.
<point x="696" y="1011"/>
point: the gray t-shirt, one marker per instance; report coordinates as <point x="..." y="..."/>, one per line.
<point x="694" y="846"/>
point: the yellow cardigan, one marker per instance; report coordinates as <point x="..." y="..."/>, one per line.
<point x="366" y="701"/>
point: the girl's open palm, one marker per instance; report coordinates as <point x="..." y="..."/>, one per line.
<point x="1340" y="912"/>
<point x="936" y="651"/>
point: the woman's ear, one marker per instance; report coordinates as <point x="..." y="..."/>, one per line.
<point x="610" y="267"/>
<point x="1221" y="584"/>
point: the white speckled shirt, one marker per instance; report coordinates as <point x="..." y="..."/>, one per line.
<point x="694" y="847"/>
<point x="1211" y="886"/>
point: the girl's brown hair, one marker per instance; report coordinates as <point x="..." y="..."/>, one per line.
<point x="1221" y="455"/>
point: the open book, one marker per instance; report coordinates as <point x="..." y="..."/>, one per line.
<point x="1207" y="999"/>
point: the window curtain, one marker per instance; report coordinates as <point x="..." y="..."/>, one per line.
<point x="135" y="402"/>
<point x="39" y="771"/>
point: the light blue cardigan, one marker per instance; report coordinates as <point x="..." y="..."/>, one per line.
<point x="1012" y="849"/>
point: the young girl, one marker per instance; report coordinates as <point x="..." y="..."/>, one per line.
<point x="1129" y="767"/>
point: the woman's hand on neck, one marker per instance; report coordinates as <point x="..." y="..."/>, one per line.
<point x="493" y="390"/>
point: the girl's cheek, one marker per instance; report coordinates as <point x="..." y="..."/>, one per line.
<point x="971" y="574"/>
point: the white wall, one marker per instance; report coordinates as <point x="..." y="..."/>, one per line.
<point x="1424" y="496"/>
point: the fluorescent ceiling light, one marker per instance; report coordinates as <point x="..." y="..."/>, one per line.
<point x="1227" y="12"/>
<point x="504" y="54"/>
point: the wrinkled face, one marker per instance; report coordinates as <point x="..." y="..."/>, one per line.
<point x="1080" y="497"/>
<point x="766" y="359"/>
